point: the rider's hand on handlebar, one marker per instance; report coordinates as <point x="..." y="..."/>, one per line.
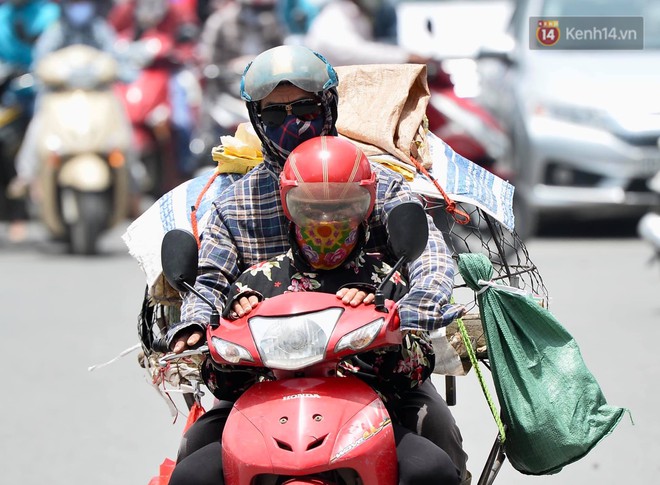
<point x="187" y="340"/>
<point x="244" y="305"/>
<point x="354" y="296"/>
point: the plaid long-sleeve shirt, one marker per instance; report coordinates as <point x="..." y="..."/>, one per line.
<point x="247" y="226"/>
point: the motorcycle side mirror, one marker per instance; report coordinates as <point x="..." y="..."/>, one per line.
<point x="408" y="230"/>
<point x="178" y="257"/>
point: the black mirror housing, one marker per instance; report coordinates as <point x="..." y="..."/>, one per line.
<point x="178" y="257"/>
<point x="408" y="230"/>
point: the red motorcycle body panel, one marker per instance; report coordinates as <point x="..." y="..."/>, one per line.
<point x="293" y="304"/>
<point x="149" y="91"/>
<point x="302" y="427"/>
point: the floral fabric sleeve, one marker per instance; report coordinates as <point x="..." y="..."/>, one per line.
<point x="394" y="372"/>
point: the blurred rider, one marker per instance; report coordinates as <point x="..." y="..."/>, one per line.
<point x="235" y="33"/>
<point x="21" y="24"/>
<point x="138" y="20"/>
<point x="82" y="22"/>
<point x="347" y="33"/>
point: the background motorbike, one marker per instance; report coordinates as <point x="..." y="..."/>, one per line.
<point x="472" y="132"/>
<point x="17" y="96"/>
<point x="147" y="101"/>
<point x="83" y="142"/>
<point x="222" y="109"/>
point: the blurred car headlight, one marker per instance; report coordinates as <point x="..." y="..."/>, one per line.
<point x="579" y="115"/>
<point x="294" y="342"/>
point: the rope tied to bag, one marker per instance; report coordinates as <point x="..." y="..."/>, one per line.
<point x="487" y="284"/>
<point x="460" y="216"/>
<point x="193" y="210"/>
<point x="482" y="381"/>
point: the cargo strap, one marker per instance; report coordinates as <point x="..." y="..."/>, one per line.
<point x="193" y="209"/>
<point x="460" y="216"/>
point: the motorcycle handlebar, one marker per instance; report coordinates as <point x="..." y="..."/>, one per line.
<point x="160" y="345"/>
<point x="163" y="361"/>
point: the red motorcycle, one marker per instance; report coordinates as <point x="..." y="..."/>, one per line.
<point x="304" y="424"/>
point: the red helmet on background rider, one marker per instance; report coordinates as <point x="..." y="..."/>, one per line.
<point x="327" y="178"/>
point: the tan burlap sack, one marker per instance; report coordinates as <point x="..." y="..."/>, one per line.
<point x="382" y="108"/>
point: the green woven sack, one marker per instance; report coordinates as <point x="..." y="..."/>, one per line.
<point x="553" y="408"/>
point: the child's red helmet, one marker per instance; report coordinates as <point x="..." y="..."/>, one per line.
<point x="326" y="179"/>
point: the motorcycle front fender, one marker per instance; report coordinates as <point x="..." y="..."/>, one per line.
<point x="85" y="172"/>
<point x="307" y="426"/>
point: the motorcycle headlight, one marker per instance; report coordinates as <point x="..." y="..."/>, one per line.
<point x="360" y="338"/>
<point x="294" y="342"/>
<point x="230" y="351"/>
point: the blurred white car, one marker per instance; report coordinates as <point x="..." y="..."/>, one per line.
<point x="585" y="124"/>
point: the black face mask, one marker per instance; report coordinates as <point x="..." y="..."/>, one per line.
<point x="274" y="153"/>
<point x="293" y="132"/>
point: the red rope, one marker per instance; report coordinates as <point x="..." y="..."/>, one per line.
<point x="460" y="216"/>
<point x="193" y="209"/>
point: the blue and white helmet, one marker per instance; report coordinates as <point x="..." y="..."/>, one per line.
<point x="296" y="64"/>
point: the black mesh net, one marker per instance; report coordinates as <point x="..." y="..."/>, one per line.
<point x="153" y="322"/>
<point x="484" y="234"/>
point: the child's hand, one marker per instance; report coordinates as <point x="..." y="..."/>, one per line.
<point x="244" y="305"/>
<point x="354" y="296"/>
